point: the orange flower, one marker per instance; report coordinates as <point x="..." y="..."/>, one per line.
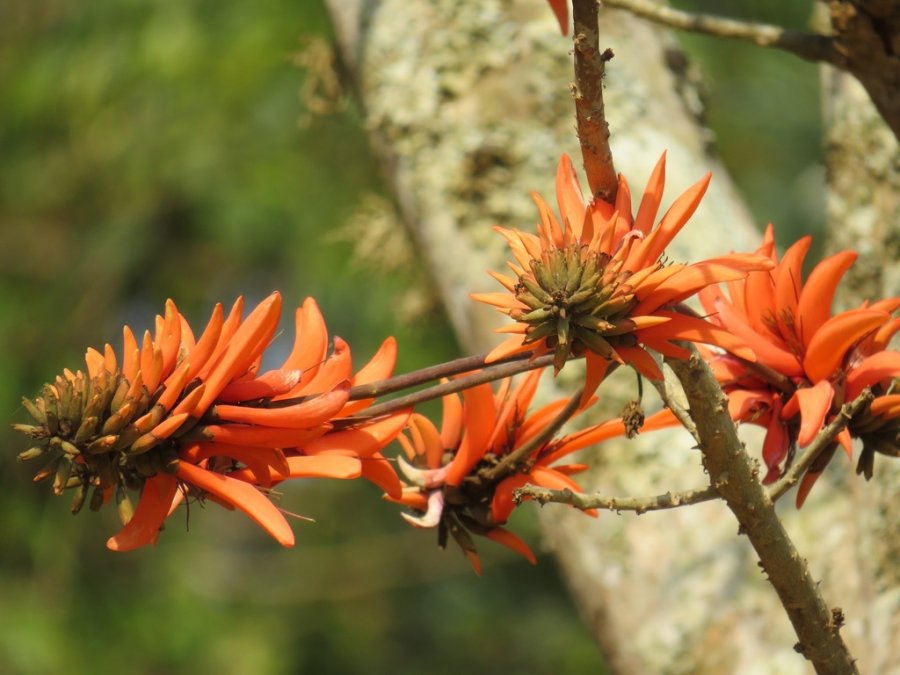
<point x="180" y="416"/>
<point x="449" y="470"/>
<point x="809" y="362"/>
<point x="597" y="284"/>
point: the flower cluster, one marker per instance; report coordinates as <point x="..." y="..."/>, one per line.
<point x="179" y="416"/>
<point x="176" y="416"/>
<point x="596" y="284"/>
<point x="809" y="362"/>
<point x="462" y="478"/>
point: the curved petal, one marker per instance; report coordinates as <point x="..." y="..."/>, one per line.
<point x="830" y="344"/>
<point x="817" y="295"/>
<point x="151" y="512"/>
<point x="503" y="536"/>
<point x="242" y="495"/>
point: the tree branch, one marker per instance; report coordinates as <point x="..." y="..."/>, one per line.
<point x="593" y="131"/>
<point x="669" y="500"/>
<point x="823" y="440"/>
<point x="734" y="475"/>
<point x="808" y="46"/>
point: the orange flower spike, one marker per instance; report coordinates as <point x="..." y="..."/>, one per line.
<point x="242" y="495"/>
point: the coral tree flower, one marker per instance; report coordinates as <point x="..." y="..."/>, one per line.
<point x="809" y="362"/>
<point x="596" y="283"/>
<point x="449" y="470"/>
<point x="181" y="416"/>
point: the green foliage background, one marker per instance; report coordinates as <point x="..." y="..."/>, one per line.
<point x="154" y="150"/>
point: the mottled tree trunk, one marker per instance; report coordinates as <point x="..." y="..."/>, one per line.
<point x="468" y="107"/>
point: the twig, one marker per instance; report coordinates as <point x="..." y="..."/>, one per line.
<point x="509" y="463"/>
<point x="733" y="474"/>
<point x="808" y="46"/>
<point x="593" y="131"/>
<point x="669" y="500"/>
<point x="680" y="413"/>
<point x="489" y="374"/>
<point x="823" y="440"/>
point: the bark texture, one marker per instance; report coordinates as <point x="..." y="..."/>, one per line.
<point x="468" y="106"/>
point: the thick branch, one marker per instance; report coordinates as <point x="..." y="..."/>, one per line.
<point x="593" y="131"/>
<point x="734" y="475"/>
<point x="808" y="46"/>
<point x="669" y="500"/>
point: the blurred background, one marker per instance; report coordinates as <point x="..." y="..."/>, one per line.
<point x="197" y="150"/>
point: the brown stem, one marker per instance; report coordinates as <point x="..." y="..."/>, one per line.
<point x="669" y="500"/>
<point x="734" y="475"/>
<point x="593" y="131"/>
<point x="808" y="46"/>
<point x="489" y="374"/>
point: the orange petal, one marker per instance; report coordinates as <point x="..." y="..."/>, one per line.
<point x="646" y="215"/>
<point x="502" y="504"/>
<point x="324" y="466"/>
<point x="479" y="415"/>
<point x="829" y="346"/>
<point x="503" y="536"/>
<point x="309" y="413"/>
<point x="872" y="370"/>
<point x="683" y="327"/>
<point x="381" y="472"/>
<point x="268" y="385"/>
<point x="817" y="295"/>
<point x="641" y="361"/>
<point x="337" y="368"/>
<point x="259" y="437"/>
<point x="815" y="402"/>
<point x="511" y="345"/>
<point x="594" y="372"/>
<point x="502" y="301"/>
<point x="242" y="495"/>
<point x="200" y="355"/>
<point x="247" y="344"/>
<point x="568" y="190"/>
<point x="651" y="248"/>
<point x="561" y="10"/>
<point x="310" y="340"/>
<point x="451" y="425"/>
<point x="766" y="351"/>
<point x="363" y="441"/>
<point x="149" y="515"/>
<point x="787" y="287"/>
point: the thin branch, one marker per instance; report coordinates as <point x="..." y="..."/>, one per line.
<point x="808" y="46"/>
<point x="669" y="500"/>
<point x="510" y="462"/>
<point x="822" y="441"/>
<point x="680" y="413"/>
<point x="734" y="476"/>
<point x="489" y="374"/>
<point x="593" y="131"/>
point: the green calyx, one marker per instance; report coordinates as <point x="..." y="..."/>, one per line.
<point x="578" y="300"/>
